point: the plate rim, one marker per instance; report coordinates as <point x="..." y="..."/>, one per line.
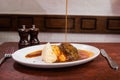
<point x="54" y="65"/>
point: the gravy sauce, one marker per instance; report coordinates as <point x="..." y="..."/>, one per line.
<point x="84" y="54"/>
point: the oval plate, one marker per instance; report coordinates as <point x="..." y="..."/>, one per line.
<point x="19" y="56"/>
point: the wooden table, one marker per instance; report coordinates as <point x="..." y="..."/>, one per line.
<point x="98" y="69"/>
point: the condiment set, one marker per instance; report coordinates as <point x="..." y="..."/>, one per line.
<point x="33" y="36"/>
<point x="28" y="36"/>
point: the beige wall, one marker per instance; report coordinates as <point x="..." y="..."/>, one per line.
<point x="76" y="7"/>
<point x="53" y="37"/>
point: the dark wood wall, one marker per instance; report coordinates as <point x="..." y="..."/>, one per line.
<point x="56" y="23"/>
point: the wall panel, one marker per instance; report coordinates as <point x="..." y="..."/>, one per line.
<point x="56" y="23"/>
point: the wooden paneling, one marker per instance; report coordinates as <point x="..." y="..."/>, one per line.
<point x="28" y="21"/>
<point x="88" y="23"/>
<point x="113" y="24"/>
<point x="5" y="22"/>
<point x="56" y="23"/>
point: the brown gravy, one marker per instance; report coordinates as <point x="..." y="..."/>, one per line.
<point x="85" y="54"/>
<point x="34" y="54"/>
<point x="82" y="53"/>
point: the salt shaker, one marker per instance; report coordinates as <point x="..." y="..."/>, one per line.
<point x="23" y="34"/>
<point x="34" y="36"/>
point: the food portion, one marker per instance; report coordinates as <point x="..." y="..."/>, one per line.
<point x="69" y="51"/>
<point x="48" y="54"/>
<point x="63" y="52"/>
<point x="59" y="53"/>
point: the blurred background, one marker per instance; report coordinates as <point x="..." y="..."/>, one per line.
<point x="88" y="20"/>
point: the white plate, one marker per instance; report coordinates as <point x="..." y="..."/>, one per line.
<point x="19" y="56"/>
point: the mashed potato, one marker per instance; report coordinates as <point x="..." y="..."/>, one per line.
<point x="48" y="55"/>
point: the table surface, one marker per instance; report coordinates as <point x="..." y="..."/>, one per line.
<point x="98" y="69"/>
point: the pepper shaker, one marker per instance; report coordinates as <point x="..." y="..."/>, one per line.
<point x="34" y="36"/>
<point x="23" y="34"/>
